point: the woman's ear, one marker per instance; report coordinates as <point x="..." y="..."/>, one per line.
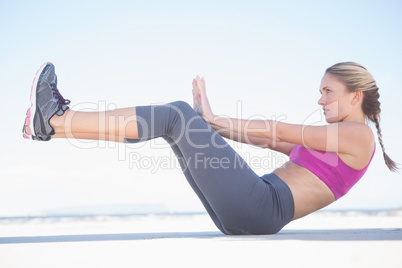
<point x="358" y="95"/>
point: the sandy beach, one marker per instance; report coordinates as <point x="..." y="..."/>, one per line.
<point x="323" y="239"/>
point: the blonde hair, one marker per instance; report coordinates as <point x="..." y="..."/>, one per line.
<point x="355" y="77"/>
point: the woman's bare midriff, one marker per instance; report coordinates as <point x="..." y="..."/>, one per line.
<point x="309" y="192"/>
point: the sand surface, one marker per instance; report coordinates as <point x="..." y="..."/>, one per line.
<point x="323" y="239"/>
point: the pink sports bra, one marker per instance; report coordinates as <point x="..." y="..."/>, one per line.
<point x="329" y="168"/>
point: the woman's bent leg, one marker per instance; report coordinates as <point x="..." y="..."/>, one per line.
<point x="238" y="201"/>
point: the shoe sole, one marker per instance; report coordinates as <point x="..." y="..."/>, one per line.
<point x="32" y="110"/>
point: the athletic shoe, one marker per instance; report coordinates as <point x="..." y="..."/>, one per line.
<point x="46" y="101"/>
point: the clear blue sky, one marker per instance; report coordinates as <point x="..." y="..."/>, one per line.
<point x="263" y="58"/>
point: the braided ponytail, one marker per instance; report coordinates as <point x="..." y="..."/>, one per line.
<point x="355" y="77"/>
<point x="388" y="161"/>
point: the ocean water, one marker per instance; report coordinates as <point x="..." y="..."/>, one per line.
<point x="124" y="211"/>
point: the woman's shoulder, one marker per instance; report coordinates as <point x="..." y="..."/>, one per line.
<point x="358" y="130"/>
<point x="363" y="145"/>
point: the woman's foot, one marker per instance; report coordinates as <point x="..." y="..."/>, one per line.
<point x="46" y="101"/>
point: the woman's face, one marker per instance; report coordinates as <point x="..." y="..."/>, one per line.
<point x="335" y="100"/>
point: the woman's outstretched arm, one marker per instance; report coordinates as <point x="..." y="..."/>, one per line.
<point x="351" y="138"/>
<point x="344" y="137"/>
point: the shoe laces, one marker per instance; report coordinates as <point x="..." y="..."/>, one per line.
<point x="60" y="100"/>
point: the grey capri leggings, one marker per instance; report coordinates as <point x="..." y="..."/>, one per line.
<point x="238" y="200"/>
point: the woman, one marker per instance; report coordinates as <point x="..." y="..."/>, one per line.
<point x="325" y="161"/>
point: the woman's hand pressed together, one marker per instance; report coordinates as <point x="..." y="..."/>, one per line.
<point x="200" y="99"/>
